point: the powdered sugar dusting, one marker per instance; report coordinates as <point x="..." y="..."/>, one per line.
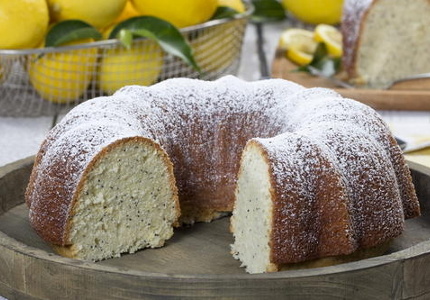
<point x="203" y="126"/>
<point x="357" y="150"/>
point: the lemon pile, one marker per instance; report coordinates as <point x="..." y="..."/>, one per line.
<point x="300" y="44"/>
<point x="63" y="77"/>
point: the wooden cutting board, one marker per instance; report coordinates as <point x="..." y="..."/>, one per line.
<point x="196" y="262"/>
<point x="408" y="95"/>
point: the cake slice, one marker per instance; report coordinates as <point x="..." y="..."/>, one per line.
<point x="296" y="206"/>
<point x="125" y="200"/>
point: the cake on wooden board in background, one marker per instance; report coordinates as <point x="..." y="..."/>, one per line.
<point x="385" y="40"/>
<point x="321" y="175"/>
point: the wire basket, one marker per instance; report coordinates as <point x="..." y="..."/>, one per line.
<point x="50" y="81"/>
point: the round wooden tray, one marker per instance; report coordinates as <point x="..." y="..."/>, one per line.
<point x="196" y="262"/>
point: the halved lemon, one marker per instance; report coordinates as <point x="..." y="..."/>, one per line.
<point x="299" y="45"/>
<point x="331" y="37"/>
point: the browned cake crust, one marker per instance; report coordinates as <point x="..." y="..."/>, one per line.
<point x="353" y="13"/>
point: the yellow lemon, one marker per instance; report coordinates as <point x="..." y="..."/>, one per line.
<point x="98" y="13"/>
<point x="315" y="11"/>
<point x="181" y="13"/>
<point x="299" y="45"/>
<point x="62" y="77"/>
<point x="217" y="48"/>
<point x="128" y="12"/>
<point x="299" y="57"/>
<point x="331" y="37"/>
<point x="23" y="23"/>
<point x="106" y="32"/>
<point x="237" y="5"/>
<point x="141" y="65"/>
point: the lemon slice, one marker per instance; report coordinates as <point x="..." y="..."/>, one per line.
<point x="299" y="45"/>
<point x="331" y="37"/>
<point x="299" y="57"/>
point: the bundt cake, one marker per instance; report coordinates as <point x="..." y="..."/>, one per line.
<point x="320" y="175"/>
<point x="385" y="40"/>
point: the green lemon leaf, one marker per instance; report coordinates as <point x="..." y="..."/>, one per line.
<point x="322" y="63"/>
<point x="125" y="37"/>
<point x="320" y="53"/>
<point x="69" y="31"/>
<point x="267" y="11"/>
<point x="224" y="12"/>
<point x="164" y="33"/>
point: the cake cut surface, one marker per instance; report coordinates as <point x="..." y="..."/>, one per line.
<point x="125" y="200"/>
<point x="320" y="175"/>
<point x="127" y="197"/>
<point x="253" y="218"/>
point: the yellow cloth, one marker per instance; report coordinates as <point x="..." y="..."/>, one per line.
<point x="421" y="156"/>
<point x="414" y="129"/>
